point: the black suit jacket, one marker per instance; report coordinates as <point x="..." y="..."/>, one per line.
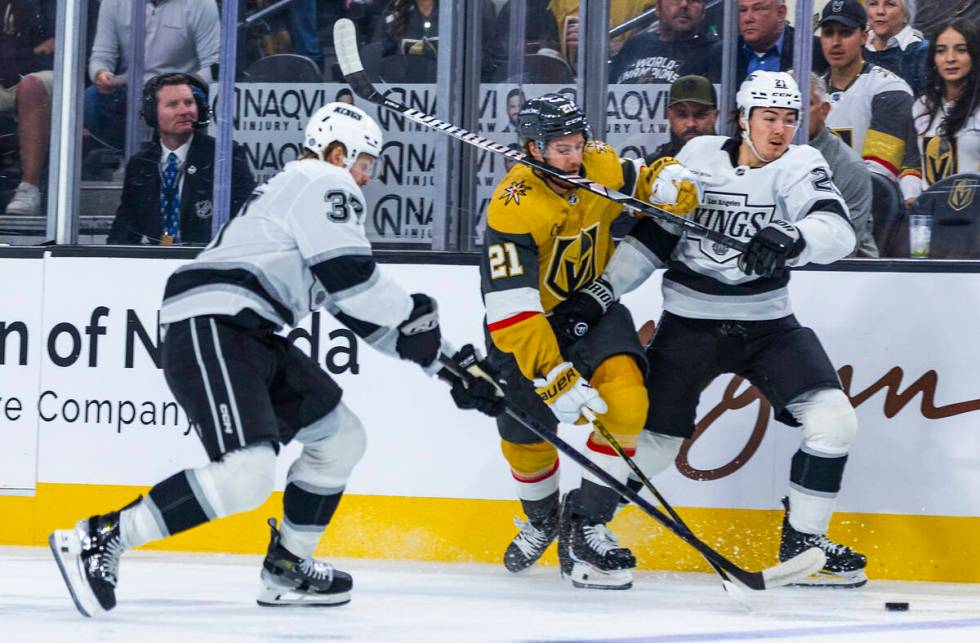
<point x="785" y="56"/>
<point x="138" y="218"/>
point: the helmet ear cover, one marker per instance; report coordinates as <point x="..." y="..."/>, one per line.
<point x="345" y="124"/>
<point x="199" y="90"/>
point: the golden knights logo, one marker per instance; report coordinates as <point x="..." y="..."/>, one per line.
<point x="961" y="196"/>
<point x="573" y="262"/>
<point x="597" y="146"/>
<point x="941" y="159"/>
<point x="514" y="192"/>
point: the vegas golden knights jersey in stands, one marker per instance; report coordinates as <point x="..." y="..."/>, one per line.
<point x="944" y="156"/>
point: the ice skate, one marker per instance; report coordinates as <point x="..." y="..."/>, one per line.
<point x="589" y="554"/>
<point x="844" y="568"/>
<point x="530" y="543"/>
<point x="88" y="558"/>
<point x="288" y="580"/>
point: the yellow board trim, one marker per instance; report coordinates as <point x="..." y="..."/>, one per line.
<point x="899" y="547"/>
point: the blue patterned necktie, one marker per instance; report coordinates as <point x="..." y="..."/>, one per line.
<point x="170" y="202"/>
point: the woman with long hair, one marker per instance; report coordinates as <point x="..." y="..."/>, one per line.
<point x="947" y="116"/>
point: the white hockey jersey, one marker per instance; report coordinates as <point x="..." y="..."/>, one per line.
<point x="874" y="116"/>
<point x="703" y="279"/>
<point x="298" y="245"/>
<point x="942" y="157"/>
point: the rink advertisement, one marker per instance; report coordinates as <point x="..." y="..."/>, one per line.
<point x="84" y="371"/>
<point x="270" y="117"/>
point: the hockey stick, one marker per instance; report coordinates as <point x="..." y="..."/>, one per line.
<point x="631" y="463"/>
<point x="345" y="42"/>
<point x="791" y="571"/>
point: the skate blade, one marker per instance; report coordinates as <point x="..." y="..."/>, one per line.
<point x="824" y="578"/>
<point x="271" y="596"/>
<point x="586" y="576"/>
<point x="66" y="547"/>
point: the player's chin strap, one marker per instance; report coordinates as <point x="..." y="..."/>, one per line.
<point x="791" y="571"/>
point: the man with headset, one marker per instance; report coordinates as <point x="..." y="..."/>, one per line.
<point x="167" y="192"/>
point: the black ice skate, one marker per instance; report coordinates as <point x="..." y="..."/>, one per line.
<point x="88" y="557"/>
<point x="589" y="554"/>
<point x="844" y="568"/>
<point x="289" y="580"/>
<point x="530" y="543"/>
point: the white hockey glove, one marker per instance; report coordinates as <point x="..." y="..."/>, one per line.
<point x="675" y="188"/>
<point x="770" y="248"/>
<point x="566" y="392"/>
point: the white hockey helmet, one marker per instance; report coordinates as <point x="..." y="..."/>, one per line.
<point x="345" y="124"/>
<point x="768" y="89"/>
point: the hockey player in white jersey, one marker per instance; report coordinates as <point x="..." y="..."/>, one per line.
<point x="297" y="246"/>
<point x="730" y="312"/>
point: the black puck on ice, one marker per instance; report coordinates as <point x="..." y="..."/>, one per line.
<point x="897" y="607"/>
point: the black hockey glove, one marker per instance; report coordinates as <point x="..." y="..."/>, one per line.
<point x="480" y="392"/>
<point x="418" y="336"/>
<point x="573" y="318"/>
<point x="770" y="248"/>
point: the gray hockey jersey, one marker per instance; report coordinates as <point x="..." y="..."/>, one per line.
<point x="298" y="245"/>
<point x="703" y="279"/>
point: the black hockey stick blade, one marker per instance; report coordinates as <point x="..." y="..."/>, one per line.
<point x="793" y="570"/>
<point x="345" y="42"/>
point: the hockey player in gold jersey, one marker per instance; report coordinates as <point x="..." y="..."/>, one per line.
<point x="546" y="240"/>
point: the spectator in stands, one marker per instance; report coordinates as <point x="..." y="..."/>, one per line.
<point x="894" y="44"/>
<point x="26" y="48"/>
<point x="412" y="27"/>
<point x="566" y="15"/>
<point x="303" y="30"/>
<point x="344" y="96"/>
<point x="932" y="15"/>
<point x="765" y="41"/>
<point x="692" y="110"/>
<point x="167" y="193"/>
<point x="540" y="28"/>
<point x="871" y="108"/>
<point x="181" y="36"/>
<point x="678" y="47"/>
<point x="850" y="174"/>
<point x="947" y="115"/>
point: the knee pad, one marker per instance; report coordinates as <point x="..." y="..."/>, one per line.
<point x="327" y="461"/>
<point x="828" y="419"/>
<point x="529" y="460"/>
<point x="655" y="452"/>
<point x="240" y="481"/>
<point x="620" y="383"/>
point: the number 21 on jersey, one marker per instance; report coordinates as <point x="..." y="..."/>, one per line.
<point x="504" y="261"/>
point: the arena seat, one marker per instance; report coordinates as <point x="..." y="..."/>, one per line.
<point x="888" y="215"/>
<point x="283" y="68"/>
<point x="954" y="204"/>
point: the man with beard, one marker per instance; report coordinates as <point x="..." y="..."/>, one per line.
<point x="692" y="110"/>
<point x="678" y="47"/>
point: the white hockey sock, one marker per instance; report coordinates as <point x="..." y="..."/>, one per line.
<point x="298" y="541"/>
<point x="138" y="525"/>
<point x="808" y="513"/>
<point x="537" y="487"/>
<point x="608" y="460"/>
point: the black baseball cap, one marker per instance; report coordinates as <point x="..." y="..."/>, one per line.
<point x="849" y="13"/>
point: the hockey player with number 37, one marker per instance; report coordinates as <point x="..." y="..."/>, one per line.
<point x="545" y="240"/>
<point x="726" y="312"/>
<point x="298" y="246"/>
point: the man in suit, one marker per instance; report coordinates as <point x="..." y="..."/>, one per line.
<point x="167" y="193"/>
<point x="765" y="41"/>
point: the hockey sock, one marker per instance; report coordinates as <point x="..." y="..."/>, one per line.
<point x="540" y="511"/>
<point x="306" y="514"/>
<point x="595" y="502"/>
<point x="814" y="484"/>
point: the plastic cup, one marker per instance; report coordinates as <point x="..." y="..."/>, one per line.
<point x="920" y="233"/>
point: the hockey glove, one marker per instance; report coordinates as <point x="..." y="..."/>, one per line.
<point x="769" y="249"/>
<point x="577" y="315"/>
<point x="566" y="392"/>
<point x="481" y="392"/>
<point x="675" y="188"/>
<point x="418" y="336"/>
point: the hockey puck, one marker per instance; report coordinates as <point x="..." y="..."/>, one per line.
<point x="897" y="607"/>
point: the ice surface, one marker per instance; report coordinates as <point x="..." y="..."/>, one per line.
<point x="170" y="597"/>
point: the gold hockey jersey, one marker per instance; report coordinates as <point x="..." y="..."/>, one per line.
<point x="541" y="247"/>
